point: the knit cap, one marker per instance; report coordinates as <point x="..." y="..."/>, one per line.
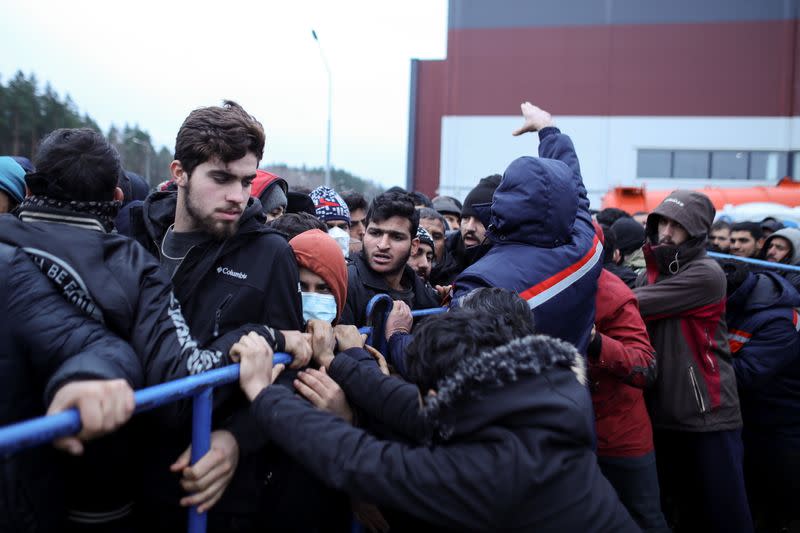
<point x="629" y="234"/>
<point x="424" y="237"/>
<point x="329" y="205"/>
<point x="12" y="178"/>
<point x="481" y="194"/>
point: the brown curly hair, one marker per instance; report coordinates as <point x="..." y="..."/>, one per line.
<point x="225" y="132"/>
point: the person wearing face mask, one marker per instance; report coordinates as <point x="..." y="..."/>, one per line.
<point x="323" y="275"/>
<point x="333" y="211"/>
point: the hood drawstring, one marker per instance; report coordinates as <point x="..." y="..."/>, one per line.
<point x="676" y="264"/>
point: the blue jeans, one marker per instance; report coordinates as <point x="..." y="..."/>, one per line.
<point x="636" y="481"/>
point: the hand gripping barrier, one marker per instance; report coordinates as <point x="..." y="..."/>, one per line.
<point x="759" y="262"/>
<point x="46" y="428"/>
<point x="378" y="309"/>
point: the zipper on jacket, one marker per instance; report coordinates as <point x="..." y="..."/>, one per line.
<point x="698" y="396"/>
<point x="708" y="349"/>
<point x="218" y="314"/>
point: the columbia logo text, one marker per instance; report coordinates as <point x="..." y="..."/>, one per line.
<point x="232" y="273"/>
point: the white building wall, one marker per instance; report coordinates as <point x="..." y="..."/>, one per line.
<point x="475" y="147"/>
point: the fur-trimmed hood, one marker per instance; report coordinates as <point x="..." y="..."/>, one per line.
<point x="490" y="374"/>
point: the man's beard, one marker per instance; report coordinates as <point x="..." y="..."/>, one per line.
<point x="218" y="229"/>
<point x="474" y="236"/>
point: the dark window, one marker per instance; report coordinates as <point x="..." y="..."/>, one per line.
<point x="690" y="164"/>
<point x="769" y="165"/>
<point x="717" y="165"/>
<point x="729" y="165"/>
<point x="654" y="164"/>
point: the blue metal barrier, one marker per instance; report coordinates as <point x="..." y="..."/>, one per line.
<point x="759" y="262"/>
<point x="378" y="309"/>
<point x="46" y="428"/>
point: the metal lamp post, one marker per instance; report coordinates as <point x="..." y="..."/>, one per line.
<point x="146" y="147"/>
<point x="330" y="103"/>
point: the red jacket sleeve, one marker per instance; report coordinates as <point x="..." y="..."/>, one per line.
<point x="625" y="349"/>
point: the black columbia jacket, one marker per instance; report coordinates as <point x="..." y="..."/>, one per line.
<point x="44" y="343"/>
<point x="251" y="277"/>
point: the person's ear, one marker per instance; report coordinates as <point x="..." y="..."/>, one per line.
<point x="28" y="191"/>
<point x="414" y="245"/>
<point x="179" y="175"/>
<point x="119" y="196"/>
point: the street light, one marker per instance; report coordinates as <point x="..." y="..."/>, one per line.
<point x="330" y="88"/>
<point x="146" y="146"/>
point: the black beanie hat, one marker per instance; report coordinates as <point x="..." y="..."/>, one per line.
<point x="629" y="233"/>
<point x="736" y="273"/>
<point x="481" y="194"/>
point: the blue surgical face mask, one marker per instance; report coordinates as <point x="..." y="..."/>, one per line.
<point x="319" y="306"/>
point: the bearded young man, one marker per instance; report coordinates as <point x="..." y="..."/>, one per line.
<point x="227" y="269"/>
<point x="381" y="268"/>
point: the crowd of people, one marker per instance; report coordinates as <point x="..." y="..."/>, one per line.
<point x="593" y="371"/>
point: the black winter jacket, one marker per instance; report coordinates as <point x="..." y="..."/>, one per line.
<point x="512" y="450"/>
<point x="626" y="274"/>
<point x="363" y="283"/>
<point x="116" y="282"/>
<point x="251" y="277"/>
<point x="44" y="343"/>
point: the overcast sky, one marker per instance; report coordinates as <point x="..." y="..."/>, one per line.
<point x="151" y="63"/>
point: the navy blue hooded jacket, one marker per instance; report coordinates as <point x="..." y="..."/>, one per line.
<point x="544" y="244"/>
<point x="763" y="334"/>
<point x="45" y="342"/>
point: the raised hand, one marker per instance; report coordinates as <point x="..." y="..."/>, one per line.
<point x="536" y="118"/>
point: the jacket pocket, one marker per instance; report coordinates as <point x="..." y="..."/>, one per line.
<point x="218" y="314"/>
<point x="698" y="393"/>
